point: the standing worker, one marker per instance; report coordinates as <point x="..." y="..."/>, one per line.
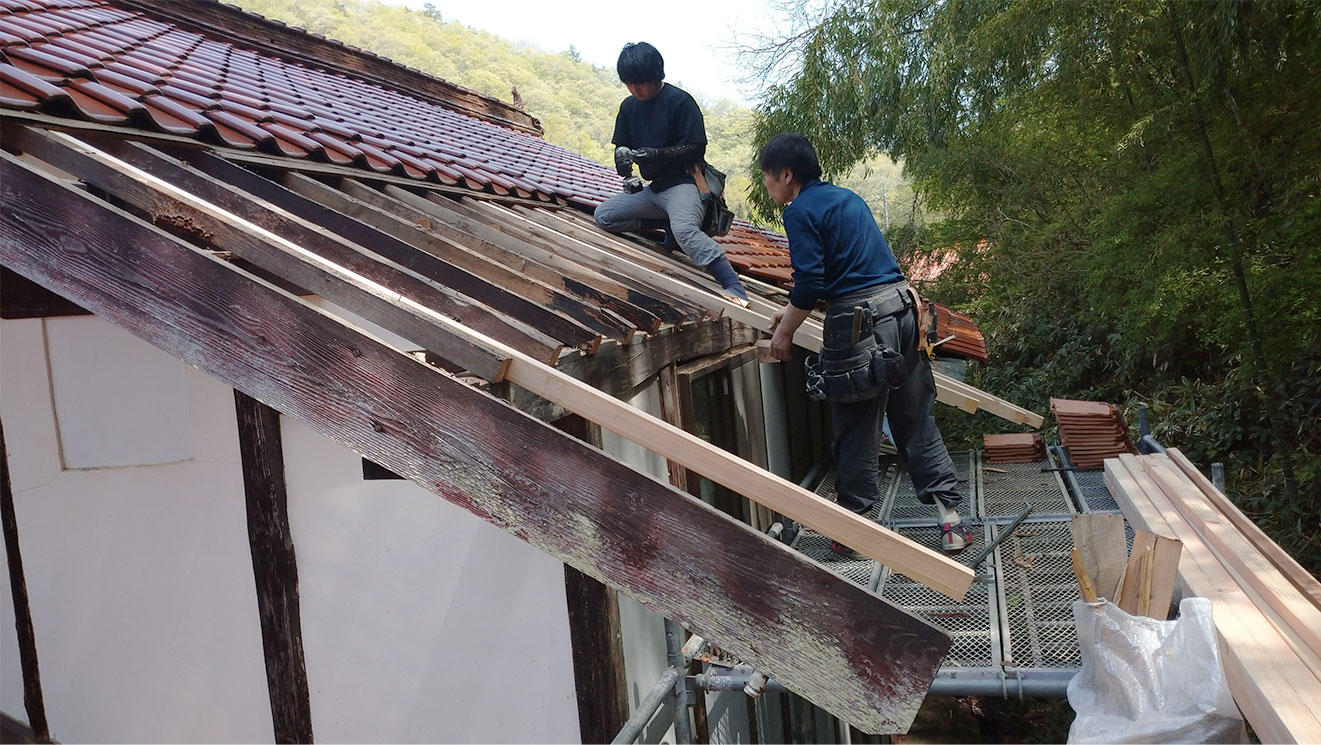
<point x="660" y="128"/>
<point x="870" y="364"/>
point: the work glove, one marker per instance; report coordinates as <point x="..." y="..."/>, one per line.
<point x="644" y="154"/>
<point x="624" y="161"/>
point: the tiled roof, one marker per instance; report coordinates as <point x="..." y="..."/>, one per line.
<point x="115" y="64"/>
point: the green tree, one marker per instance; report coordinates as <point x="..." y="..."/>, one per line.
<point x="1132" y="188"/>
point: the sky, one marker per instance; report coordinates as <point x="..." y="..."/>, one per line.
<point x="694" y="36"/>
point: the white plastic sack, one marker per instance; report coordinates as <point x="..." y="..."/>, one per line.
<point x="1149" y="681"/>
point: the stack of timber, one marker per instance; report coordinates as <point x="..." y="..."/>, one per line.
<point x="1026" y="447"/>
<point x="1265" y="605"/>
<point x="1091" y="431"/>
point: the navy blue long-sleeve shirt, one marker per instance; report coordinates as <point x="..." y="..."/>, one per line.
<point x="834" y="245"/>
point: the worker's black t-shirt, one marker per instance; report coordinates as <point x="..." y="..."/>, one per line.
<point x="671" y="118"/>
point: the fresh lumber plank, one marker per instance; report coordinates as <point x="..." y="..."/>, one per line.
<point x="836" y="644"/>
<point x="1308" y="585"/>
<point x="1102" y="546"/>
<point x="456" y="279"/>
<point x="455" y="215"/>
<point x="1274" y="689"/>
<point x="517" y="223"/>
<point x="1297" y="619"/>
<point x="371" y="300"/>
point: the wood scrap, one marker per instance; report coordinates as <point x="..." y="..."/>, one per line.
<point x="1100" y="541"/>
<point x="1084" y="580"/>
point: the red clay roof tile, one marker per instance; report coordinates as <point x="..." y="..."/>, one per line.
<point x="174" y="117"/>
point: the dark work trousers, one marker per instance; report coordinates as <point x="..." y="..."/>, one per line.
<point x="910" y="407"/>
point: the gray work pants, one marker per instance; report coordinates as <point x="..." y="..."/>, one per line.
<point x="681" y="205"/>
<point x="911" y="409"/>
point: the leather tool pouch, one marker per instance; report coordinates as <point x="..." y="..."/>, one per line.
<point x="850" y="375"/>
<point x="717" y="219"/>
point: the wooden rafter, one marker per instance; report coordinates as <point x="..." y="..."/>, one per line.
<point x="829" y="640"/>
<point x="621" y="319"/>
<point x="948" y="390"/>
<point x="871" y="539"/>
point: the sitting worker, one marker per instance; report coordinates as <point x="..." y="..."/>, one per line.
<point x="870" y="364"/>
<point x="660" y="128"/>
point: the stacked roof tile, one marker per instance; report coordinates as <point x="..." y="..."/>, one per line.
<point x="117" y="65"/>
<point x="1027" y="447"/>
<point x="1091" y="431"/>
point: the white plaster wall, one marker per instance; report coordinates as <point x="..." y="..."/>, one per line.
<point x="421" y="622"/>
<point x="139" y="578"/>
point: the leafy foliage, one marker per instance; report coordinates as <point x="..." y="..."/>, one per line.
<point x="1131" y="187"/>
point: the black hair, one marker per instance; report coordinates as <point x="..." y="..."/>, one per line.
<point x="640" y="63"/>
<point x="793" y="151"/>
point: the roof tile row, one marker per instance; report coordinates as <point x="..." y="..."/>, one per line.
<point x="99" y="61"/>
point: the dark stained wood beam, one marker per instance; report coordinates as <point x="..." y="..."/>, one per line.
<point x="846" y="649"/>
<point x="274" y="568"/>
<point x="33" y="701"/>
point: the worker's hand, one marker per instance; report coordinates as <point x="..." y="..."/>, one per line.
<point x="782" y="338"/>
<point x="643" y="154"/>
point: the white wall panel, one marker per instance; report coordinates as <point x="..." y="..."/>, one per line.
<point x="139" y="579"/>
<point x="421" y="622"/>
<point x="118" y="400"/>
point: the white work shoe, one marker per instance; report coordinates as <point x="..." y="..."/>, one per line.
<point x="954" y="537"/>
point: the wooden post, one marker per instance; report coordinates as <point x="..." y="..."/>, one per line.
<point x="18" y="587"/>
<point x="595" y="635"/>
<point x="274" y="568"/>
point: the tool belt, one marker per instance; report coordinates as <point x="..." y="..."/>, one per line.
<point x="867" y="367"/>
<point x="717" y="218"/>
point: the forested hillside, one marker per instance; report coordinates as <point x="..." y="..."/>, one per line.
<point x="1134" y="193"/>
<point x="575" y="101"/>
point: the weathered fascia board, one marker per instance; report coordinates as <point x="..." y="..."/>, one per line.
<point x="621" y="370"/>
<point x="840" y="646"/>
<point x="879" y="543"/>
<point x="948" y="390"/>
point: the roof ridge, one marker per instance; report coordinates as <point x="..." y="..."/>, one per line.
<point x="290" y="42"/>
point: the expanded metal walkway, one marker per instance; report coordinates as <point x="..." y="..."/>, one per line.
<point x="1013" y="632"/>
